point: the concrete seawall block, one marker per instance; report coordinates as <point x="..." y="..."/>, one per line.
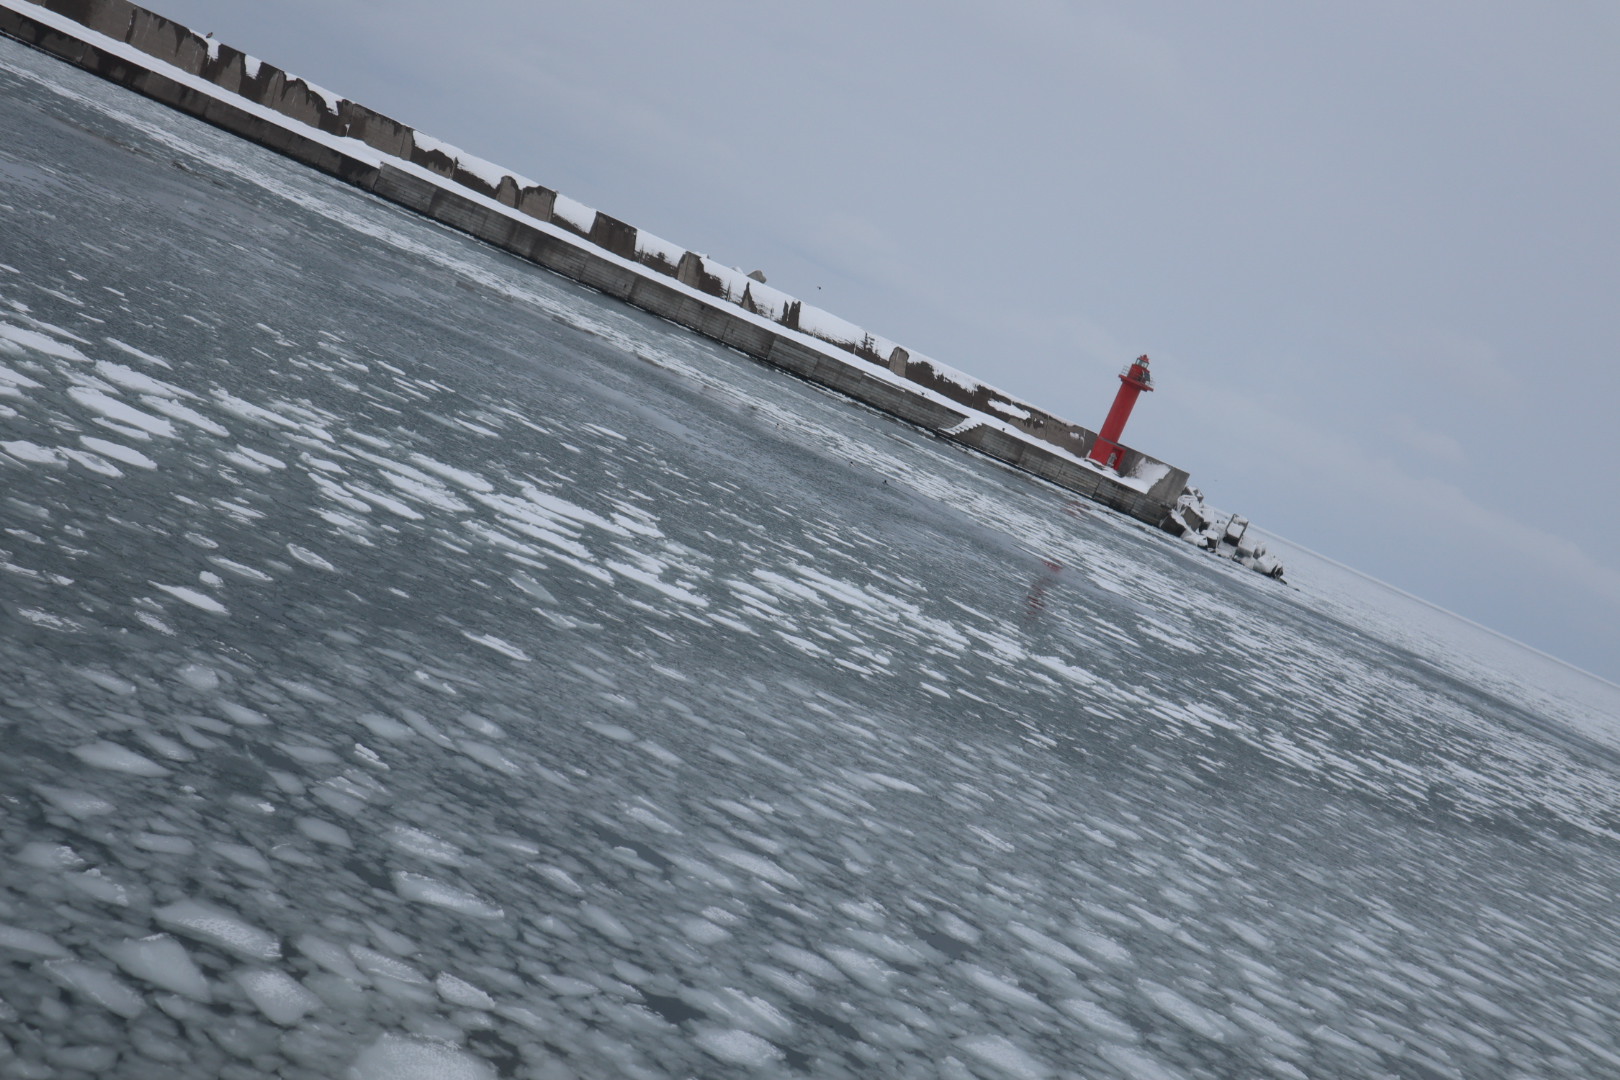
<point x="474" y="182"/>
<point x="611" y="234"/>
<point x="110" y="17"/>
<point x="432" y="159"/>
<point x="717" y="324"/>
<point x="63" y="46"/>
<point x="566" y="259"/>
<point x="171" y="93"/>
<point x="167" y="41"/>
<point x="376" y="130"/>
<point x="291" y="97"/>
<point x="470" y="217"/>
<point x="1063" y="472"/>
<point x="1168" y="489"/>
<point x="608" y="277"/>
<point x="744" y="336"/>
<point x="817" y="367"/>
<point x="401" y="187"/>
<point x="228" y="71"/>
<point x="537" y="202"/>
<point x="673" y="304"/>
<point x="527" y="242"/>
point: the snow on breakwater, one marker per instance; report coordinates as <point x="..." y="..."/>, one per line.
<point x="169" y="62"/>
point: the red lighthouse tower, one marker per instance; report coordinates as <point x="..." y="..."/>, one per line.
<point x="1132" y="381"/>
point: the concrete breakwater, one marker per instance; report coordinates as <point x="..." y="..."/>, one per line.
<point x="223" y="86"/>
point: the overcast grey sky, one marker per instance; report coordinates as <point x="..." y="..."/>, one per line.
<point x="1372" y="248"/>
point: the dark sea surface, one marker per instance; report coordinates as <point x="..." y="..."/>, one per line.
<point x="414" y="665"/>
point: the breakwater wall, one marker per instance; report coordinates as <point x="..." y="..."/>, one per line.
<point x="232" y="90"/>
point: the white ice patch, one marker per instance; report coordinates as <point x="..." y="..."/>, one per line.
<point x="37" y="342"/>
<point x="249" y="411"/>
<point x="1099" y="1019"/>
<point x="806" y="961"/>
<point x="652" y="581"/>
<point x="242" y="855"/>
<point x="1188" y="1014"/>
<point x="426" y="890"/>
<point x="324" y="832"/>
<point x="309" y="558"/>
<point x="757" y="865"/>
<point x="460" y="992"/>
<point x="120" y="412"/>
<point x="470" y="481"/>
<point x="100" y="887"/>
<point x="32" y="453"/>
<point x="243" y="715"/>
<point x="395" y="1057"/>
<point x="424" y="845"/>
<point x="163" y="962"/>
<point x="246" y="459"/>
<point x="485" y="754"/>
<point x="604" y="923"/>
<point x="560" y="878"/>
<point x="1078" y="676"/>
<point x="1005" y="1055"/>
<point x="215" y="926"/>
<point x="702" y="930"/>
<point x="377" y="498"/>
<point x="862" y="968"/>
<point x="183" y="413"/>
<point x="533" y="588"/>
<point x="278" y="995"/>
<point x="198" y="677"/>
<point x="385" y="727"/>
<point x="953" y="926"/>
<point x="78" y="804"/>
<point x="329" y="956"/>
<point x="490" y="641"/>
<point x="94" y="463"/>
<point x="1137" y="1065"/>
<point x="60" y="623"/>
<point x="423" y="488"/>
<point x="16" y="380"/>
<point x="1002" y="990"/>
<point x="737" y="1047"/>
<point x="164" y="843"/>
<point x="115" y="758"/>
<point x="145" y="357"/>
<point x="107" y="681"/>
<point x="98" y="985"/>
<point x="194" y="598"/>
<point x="1098" y="946"/>
<point x="140" y="383"/>
<point x="31" y="942"/>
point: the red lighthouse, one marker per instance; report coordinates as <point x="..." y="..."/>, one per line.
<point x="1132" y="381"/>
